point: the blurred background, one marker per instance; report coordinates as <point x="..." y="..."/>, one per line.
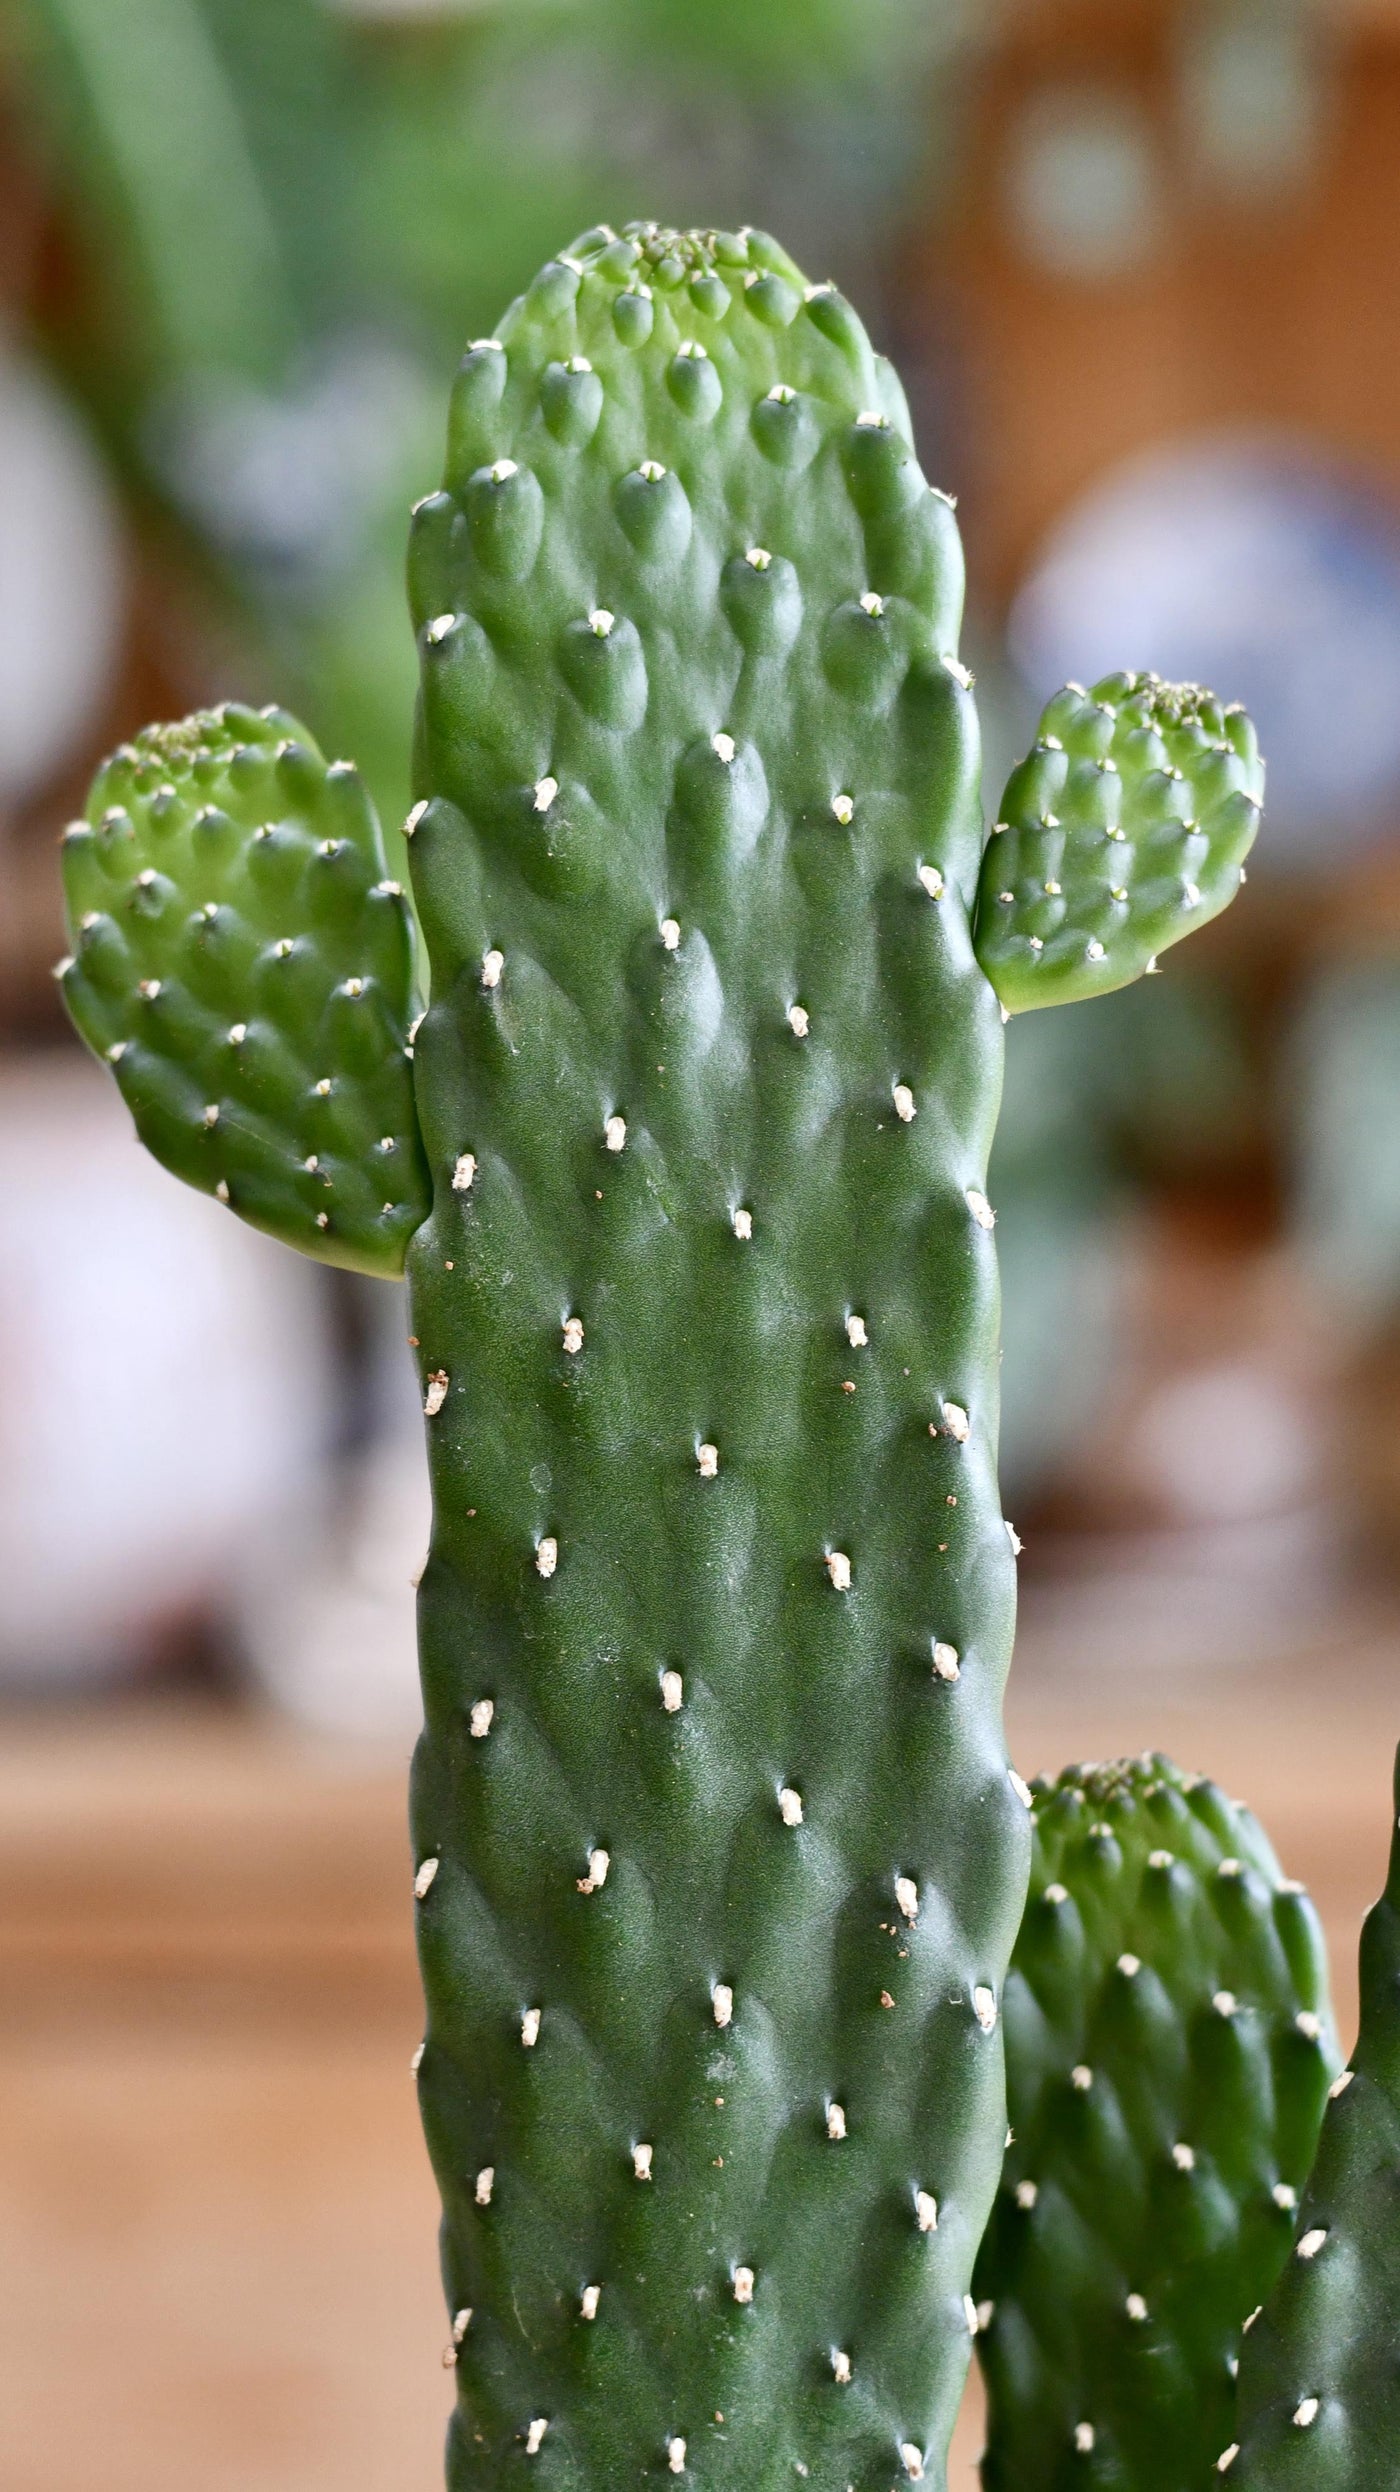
<point x="1141" y="270"/>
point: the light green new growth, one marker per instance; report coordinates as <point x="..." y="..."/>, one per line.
<point x="244" y="964"/>
<point x="1126" y="828"/>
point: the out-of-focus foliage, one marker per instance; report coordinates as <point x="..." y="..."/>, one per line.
<point x="294" y="214"/>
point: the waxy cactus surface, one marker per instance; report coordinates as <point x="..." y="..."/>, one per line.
<point x="719" y="1859"/>
<point x="242" y="961"/>
<point x="1319" y="2391"/>
<point x="1169" y="2046"/>
<point x="707" y="1310"/>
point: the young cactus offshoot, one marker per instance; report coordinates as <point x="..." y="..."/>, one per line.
<point x="242" y="961"/>
<point x="719" y="1859"/>
<point x="1169" y="2048"/>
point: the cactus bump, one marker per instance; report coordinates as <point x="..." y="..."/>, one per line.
<point x="718" y="1855"/>
<point x="1169" y="2049"/>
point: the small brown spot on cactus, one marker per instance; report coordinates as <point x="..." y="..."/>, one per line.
<point x="492" y="963"/>
<point x="641" y="2162"/>
<point x="835" y="2121"/>
<point x="925" y="2210"/>
<point x="427" y="1871"/>
<point x="485" y="2183"/>
<point x="546" y="1557"/>
<point x="885" y="1999"/>
<point x="436" y="1394"/>
<point x="672" y="1691"/>
<point x="904" y="1107"/>
<point x="840" y="2367"/>
<point x="615" y="1133"/>
<point x="707" y="1462"/>
<point x="588" y="2301"/>
<point x="535" y="2434"/>
<point x="530" y="2028"/>
<point x="838" y="1567"/>
<point x="573" y="1335"/>
<point x="483" y="1714"/>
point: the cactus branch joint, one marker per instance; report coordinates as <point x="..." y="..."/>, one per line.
<point x="720" y="1864"/>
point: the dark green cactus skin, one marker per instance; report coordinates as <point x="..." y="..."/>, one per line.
<point x="706" y="1311"/>
<point x="1124" y="829"/>
<point x="243" y="963"/>
<point x="1319" y="2393"/>
<point x="1169" y="2047"/>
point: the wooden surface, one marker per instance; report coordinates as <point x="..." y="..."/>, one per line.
<point x="216" y="2222"/>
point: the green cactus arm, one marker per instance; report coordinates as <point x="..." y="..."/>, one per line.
<point x="243" y="963"/>
<point x="1125" y="828"/>
<point x="1169" y="2047"/>
<point x="720" y="1858"/>
<point x="1319" y="2391"/>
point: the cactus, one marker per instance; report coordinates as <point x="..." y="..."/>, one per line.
<point x="718" y="1855"/>
<point x="242" y="961"/>
<point x="1169" y="2046"/>
<point x="1319" y="2390"/>
<point x="1126" y="828"/>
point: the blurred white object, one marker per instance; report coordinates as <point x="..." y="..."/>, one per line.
<point x="1084" y="187"/>
<point x="60" y="578"/>
<point x="165" y="1385"/>
<point x="329" y="1626"/>
<point x="1253" y="566"/>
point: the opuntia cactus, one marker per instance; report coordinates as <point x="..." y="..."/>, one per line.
<point x="1319" y="2389"/>
<point x="1169" y="2047"/>
<point x="718" y="1855"/>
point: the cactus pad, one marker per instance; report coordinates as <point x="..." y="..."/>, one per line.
<point x="243" y="963"/>
<point x="720" y="1857"/>
<point x="1169" y="2048"/>
<point x="1319" y="2396"/>
<point x="1124" y="829"/>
